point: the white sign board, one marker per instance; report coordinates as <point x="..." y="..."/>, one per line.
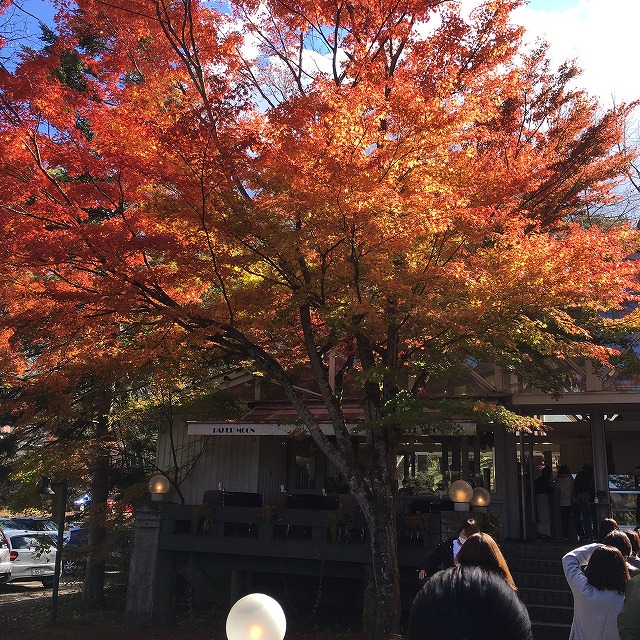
<point x="276" y="429"/>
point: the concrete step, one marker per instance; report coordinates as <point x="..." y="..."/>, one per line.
<point x="550" y="631"/>
<point x="535" y="565"/>
<point x="532" y="596"/>
<point x="540" y="581"/>
<point x="548" y="613"/>
<point x="537" y="549"/>
<point x="537" y="570"/>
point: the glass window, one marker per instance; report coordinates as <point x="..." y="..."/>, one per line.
<point x="430" y="465"/>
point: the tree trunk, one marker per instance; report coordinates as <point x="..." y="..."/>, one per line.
<point x="381" y="612"/>
<point x="382" y="607"/>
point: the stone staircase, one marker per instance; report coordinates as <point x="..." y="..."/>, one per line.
<point x="537" y="570"/>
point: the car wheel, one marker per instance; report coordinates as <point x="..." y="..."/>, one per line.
<point x="68" y="568"/>
<point x="47" y="583"/>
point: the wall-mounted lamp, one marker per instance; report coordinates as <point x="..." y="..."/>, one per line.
<point x="158" y="486"/>
<point x="256" y="617"/>
<point x="481" y="499"/>
<point x="460" y="492"/>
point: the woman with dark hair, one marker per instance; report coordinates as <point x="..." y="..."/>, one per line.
<point x="607" y="525"/>
<point x="468" y="603"/>
<point x="598" y="591"/>
<point x="634" y="557"/>
<point x="634" y="539"/>
<point x="445" y="553"/>
<point x="481" y="550"/>
<point x="621" y="542"/>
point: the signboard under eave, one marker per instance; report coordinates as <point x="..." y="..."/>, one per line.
<point x="460" y="428"/>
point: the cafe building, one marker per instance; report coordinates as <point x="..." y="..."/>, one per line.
<point x="262" y="506"/>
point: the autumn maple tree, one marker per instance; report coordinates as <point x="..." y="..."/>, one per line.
<point x="396" y="183"/>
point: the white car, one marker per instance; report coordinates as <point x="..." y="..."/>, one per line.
<point x="31" y="523"/>
<point x="32" y="555"/>
<point x="5" y="559"/>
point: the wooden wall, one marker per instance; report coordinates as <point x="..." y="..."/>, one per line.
<point x="230" y="461"/>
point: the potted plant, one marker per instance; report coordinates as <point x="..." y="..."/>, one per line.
<point x="341" y="523"/>
<point x="418" y="523"/>
<point x="268" y="517"/>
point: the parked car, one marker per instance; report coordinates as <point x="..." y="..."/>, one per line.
<point x="32" y="555"/>
<point x="115" y="551"/>
<point x="5" y="558"/>
<point x="8" y="523"/>
<point x="83" y="501"/>
<point x="32" y="523"/>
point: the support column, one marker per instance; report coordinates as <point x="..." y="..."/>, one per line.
<point x="464" y="451"/>
<point x="151" y="584"/>
<point x="600" y="468"/>
<point x="476" y="458"/>
<point x="456" y="453"/>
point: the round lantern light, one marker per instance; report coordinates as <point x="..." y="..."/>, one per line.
<point x="481" y="498"/>
<point x="158" y="486"/>
<point x="461" y="493"/>
<point x="256" y="617"/>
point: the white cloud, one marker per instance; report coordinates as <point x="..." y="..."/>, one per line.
<point x="602" y="37"/>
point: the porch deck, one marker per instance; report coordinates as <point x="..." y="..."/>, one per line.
<point x="255" y="537"/>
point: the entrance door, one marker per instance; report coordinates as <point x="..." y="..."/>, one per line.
<point x="570" y="446"/>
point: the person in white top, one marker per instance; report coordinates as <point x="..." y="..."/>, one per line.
<point x="598" y="591"/>
<point x="564" y="495"/>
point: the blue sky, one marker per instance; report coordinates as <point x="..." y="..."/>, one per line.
<point x="600" y="34"/>
<point x="552" y="5"/>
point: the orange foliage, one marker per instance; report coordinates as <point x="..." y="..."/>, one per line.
<point x="389" y="180"/>
<point x="395" y="169"/>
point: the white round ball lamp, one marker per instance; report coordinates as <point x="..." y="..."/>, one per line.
<point x="460" y="492"/>
<point x="256" y="617"/>
<point x="481" y="497"/>
<point x="158" y="486"/>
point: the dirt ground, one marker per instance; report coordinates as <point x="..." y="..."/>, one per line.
<point x="25" y="614"/>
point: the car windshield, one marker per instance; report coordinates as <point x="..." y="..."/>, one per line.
<point x="8" y="523"/>
<point x="34" y="524"/>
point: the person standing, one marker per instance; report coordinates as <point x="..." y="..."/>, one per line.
<point x="543" y="488"/>
<point x="481" y="550"/>
<point x="629" y="618"/>
<point x="636" y="483"/>
<point x="584" y="497"/>
<point x="446" y="552"/>
<point x="564" y="495"/>
<point x="598" y="591"/>
<point x="468" y="602"/>
<point x="606" y="526"/>
<point x="621" y="542"/>
<point x="634" y="558"/>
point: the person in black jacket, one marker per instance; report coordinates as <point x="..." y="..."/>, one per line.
<point x="468" y="603"/>
<point x="445" y="553"/>
<point x="585" y="492"/>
